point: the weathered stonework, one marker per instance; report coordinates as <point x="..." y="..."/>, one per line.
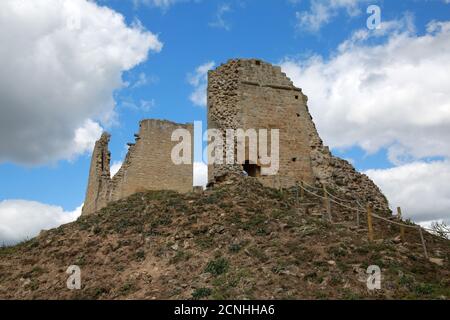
<point x="99" y="177"/>
<point x="242" y="94"/>
<point x="253" y="94"/>
<point x="147" y="166"/>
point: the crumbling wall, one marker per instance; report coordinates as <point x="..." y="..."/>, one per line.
<point x="223" y="111"/>
<point x="339" y="174"/>
<point x="147" y="166"/>
<point x="99" y="176"/>
<point x="253" y="94"/>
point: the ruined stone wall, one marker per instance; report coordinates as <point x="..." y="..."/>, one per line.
<point x="254" y="94"/>
<point x="222" y="105"/>
<point x="339" y="174"/>
<point x="147" y="166"/>
<point x="99" y="176"/>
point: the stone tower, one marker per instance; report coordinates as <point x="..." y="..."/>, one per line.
<point x="252" y="94"/>
<point x="147" y="166"/>
<point x="249" y="93"/>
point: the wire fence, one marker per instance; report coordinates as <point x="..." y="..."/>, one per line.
<point x="354" y="204"/>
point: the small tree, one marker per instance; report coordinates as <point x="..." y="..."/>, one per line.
<point x="441" y="229"/>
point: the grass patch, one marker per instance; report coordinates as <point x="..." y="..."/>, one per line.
<point x="35" y="272"/>
<point x="140" y="255"/>
<point x="218" y="266"/>
<point x="200" y="293"/>
<point x="204" y="242"/>
<point x="254" y="222"/>
<point x="180" y="256"/>
<point x="127" y="288"/>
<point x="225" y="284"/>
<point x="234" y="248"/>
<point x="423" y="289"/>
<point x="258" y="253"/>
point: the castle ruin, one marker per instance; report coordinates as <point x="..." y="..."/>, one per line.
<point x="251" y="94"/>
<point x="242" y="94"/>
<point x="147" y="166"/>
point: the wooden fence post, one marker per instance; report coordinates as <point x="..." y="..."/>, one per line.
<point x="423" y="243"/>
<point x="402" y="228"/>
<point x="369" y="222"/>
<point x="327" y="203"/>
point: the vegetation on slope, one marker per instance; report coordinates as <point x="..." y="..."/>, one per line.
<point x="239" y="240"/>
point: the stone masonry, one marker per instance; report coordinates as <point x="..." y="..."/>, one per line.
<point x="147" y="166"/>
<point x="253" y="94"/>
<point x="242" y="94"/>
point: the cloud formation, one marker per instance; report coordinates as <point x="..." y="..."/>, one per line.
<point x="199" y="80"/>
<point x="389" y="95"/>
<point x="219" y="19"/>
<point x="162" y="4"/>
<point x="421" y="189"/>
<point x="321" y="12"/>
<point x="62" y="62"/>
<point x="392" y="95"/>
<point x="21" y="219"/>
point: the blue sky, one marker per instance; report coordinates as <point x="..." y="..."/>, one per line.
<point x="195" y="33"/>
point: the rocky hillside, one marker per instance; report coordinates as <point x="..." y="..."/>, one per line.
<point x="239" y="240"/>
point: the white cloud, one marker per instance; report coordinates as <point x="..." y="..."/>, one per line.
<point x="429" y="223"/>
<point x="321" y="12"/>
<point x="85" y="137"/>
<point x="62" y="62"/>
<point x="199" y="80"/>
<point x="144" y="80"/>
<point x="21" y="219"/>
<point x="219" y="20"/>
<point x="200" y="174"/>
<point x="115" y="167"/>
<point x="392" y="95"/>
<point x="421" y="189"/>
<point x="141" y="105"/>
<point x="162" y="4"/>
<point x="146" y="105"/>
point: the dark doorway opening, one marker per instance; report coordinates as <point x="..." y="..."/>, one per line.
<point x="253" y="170"/>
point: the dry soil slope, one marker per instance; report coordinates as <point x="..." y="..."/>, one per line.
<point x="237" y="241"/>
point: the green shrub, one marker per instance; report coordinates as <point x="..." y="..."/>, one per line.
<point x="234" y="248"/>
<point x="140" y="255"/>
<point x="201" y="293"/>
<point x="217" y="266"/>
<point x="424" y="289"/>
